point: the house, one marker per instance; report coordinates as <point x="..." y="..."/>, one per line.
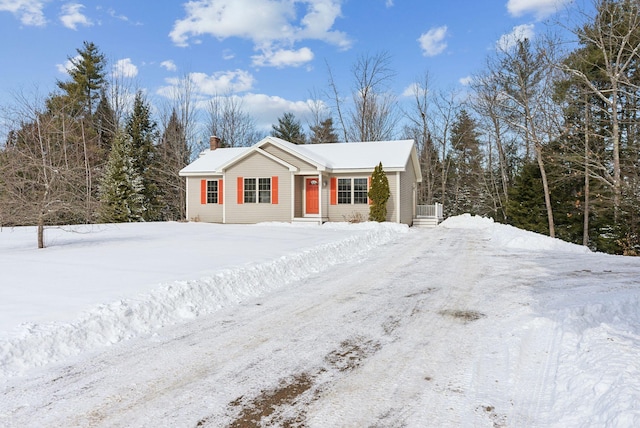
<point x="275" y="180"/>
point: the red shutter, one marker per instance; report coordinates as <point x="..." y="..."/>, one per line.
<point x="220" y="192"/>
<point x="203" y="192"/>
<point x="274" y="189"/>
<point x="369" y="188"/>
<point x="240" y="190"/>
<point x="334" y="190"/>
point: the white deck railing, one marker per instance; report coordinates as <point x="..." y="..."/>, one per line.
<point x="429" y="211"/>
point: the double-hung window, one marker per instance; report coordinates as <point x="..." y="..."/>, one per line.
<point x="257" y="190"/>
<point x="353" y="191"/>
<point x="344" y="190"/>
<point x="360" y="191"/>
<point x="212" y="191"/>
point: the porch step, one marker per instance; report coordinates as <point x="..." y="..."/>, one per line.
<point x="425" y="222"/>
<point x="310" y="220"/>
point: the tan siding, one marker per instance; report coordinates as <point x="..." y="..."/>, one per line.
<point x="299" y="196"/>
<point x="258" y="166"/>
<point x="345" y="212"/>
<point x="407" y="184"/>
<point x="392" y="204"/>
<point x="210" y="213"/>
<point x="287" y="157"/>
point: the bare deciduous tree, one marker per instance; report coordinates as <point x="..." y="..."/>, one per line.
<point x="228" y="120"/>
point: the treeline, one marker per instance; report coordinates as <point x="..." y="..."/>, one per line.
<point x="79" y="157"/>
<point x="544" y="139"/>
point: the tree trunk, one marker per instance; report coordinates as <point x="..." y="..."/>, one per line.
<point x="585" y="223"/>
<point x="41" y="231"/>
<point x="545" y="187"/>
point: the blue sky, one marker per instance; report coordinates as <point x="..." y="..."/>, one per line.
<point x="272" y="53"/>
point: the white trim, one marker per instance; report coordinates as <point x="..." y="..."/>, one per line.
<point x="225" y="199"/>
<point x="364" y="170"/>
<point x="292" y="198"/>
<point x="398" y="197"/>
<point x="320" y="195"/>
<point x="256" y="149"/>
<point x="304" y="195"/>
<point x="277" y="142"/>
<point x="186" y="212"/>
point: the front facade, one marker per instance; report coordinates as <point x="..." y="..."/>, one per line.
<point x="275" y="180"/>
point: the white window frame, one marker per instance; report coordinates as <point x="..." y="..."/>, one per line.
<point x="213" y="195"/>
<point x="261" y="191"/>
<point x="342" y="195"/>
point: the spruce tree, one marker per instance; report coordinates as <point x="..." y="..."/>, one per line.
<point x="121" y="190"/>
<point x="324" y="132"/>
<point x="526" y="208"/>
<point x="379" y="194"/>
<point x="289" y="129"/>
<point x="141" y="129"/>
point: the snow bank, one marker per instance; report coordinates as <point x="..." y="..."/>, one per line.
<point x="511" y="237"/>
<point x="599" y="354"/>
<point x="39" y="344"/>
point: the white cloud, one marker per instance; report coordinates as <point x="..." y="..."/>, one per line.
<point x="388" y="3"/>
<point x="410" y="91"/>
<point x="68" y="66"/>
<point x="125" y="68"/>
<point x="267" y="109"/>
<point x="283" y="58"/>
<point x="466" y="81"/>
<point x="169" y="65"/>
<point x="540" y="8"/>
<point x="210" y="85"/>
<point x="520" y="32"/>
<point x="72" y="16"/>
<point x="30" y="12"/>
<point x="272" y="25"/>
<point x="432" y="42"/>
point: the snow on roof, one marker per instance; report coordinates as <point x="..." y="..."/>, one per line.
<point x="333" y="156"/>
<point x="364" y="155"/>
<point x="210" y="161"/>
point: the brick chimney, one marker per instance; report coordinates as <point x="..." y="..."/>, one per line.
<point x="214" y="142"/>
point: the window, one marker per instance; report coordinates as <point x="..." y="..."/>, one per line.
<point x="264" y="190"/>
<point x="344" y="190"/>
<point x="353" y="190"/>
<point x="360" y="191"/>
<point x="212" y="191"/>
<point x="257" y="190"/>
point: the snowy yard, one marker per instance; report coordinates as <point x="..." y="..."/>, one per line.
<point x="184" y="325"/>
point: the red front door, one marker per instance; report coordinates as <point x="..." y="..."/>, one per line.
<point x="311" y="196"/>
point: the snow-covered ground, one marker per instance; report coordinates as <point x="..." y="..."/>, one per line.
<point x="184" y="324"/>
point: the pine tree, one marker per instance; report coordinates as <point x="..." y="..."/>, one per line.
<point x="379" y="194"/>
<point x="87" y="80"/>
<point x="121" y="189"/>
<point x="289" y="129"/>
<point x="324" y="132"/>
